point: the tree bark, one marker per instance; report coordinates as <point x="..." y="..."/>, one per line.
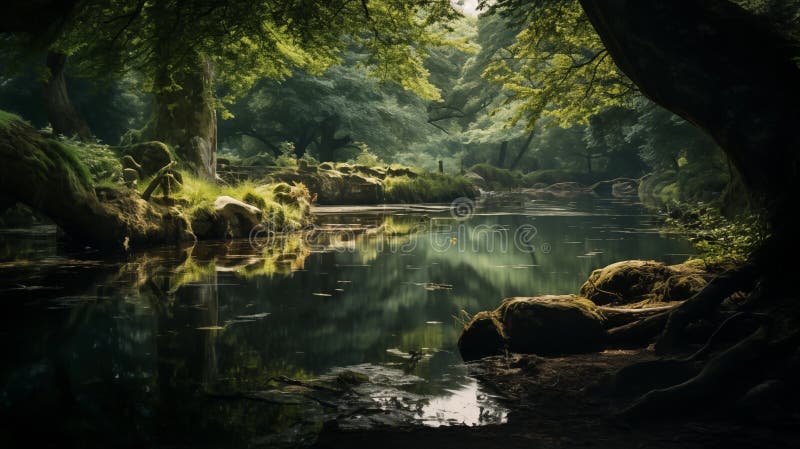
<point x="501" y="157"/>
<point x="63" y="117"/>
<point x="328" y="142"/>
<point x="185" y="115"/>
<point x="724" y="70"/>
<point x="522" y="150"/>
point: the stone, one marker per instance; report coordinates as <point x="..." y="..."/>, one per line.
<point x="552" y="325"/>
<point x="240" y="218"/>
<point x="482" y="337"/>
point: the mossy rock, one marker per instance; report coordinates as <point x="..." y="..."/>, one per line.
<point x="543" y="325"/>
<point x="151" y="156"/>
<point x="552" y="325"/>
<point x="482" y="337"/>
<point x="641" y="282"/>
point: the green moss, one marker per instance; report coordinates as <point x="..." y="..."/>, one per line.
<point x="198" y="196"/>
<point x="6" y="118"/>
<point x="427" y="188"/>
<point x="498" y="178"/>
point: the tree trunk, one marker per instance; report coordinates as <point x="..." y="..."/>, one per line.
<point x="185" y="115"/>
<point x="501" y="157"/>
<point x="522" y="150"/>
<point x="63" y="117"/>
<point x="328" y="142"/>
<point x="722" y="69"/>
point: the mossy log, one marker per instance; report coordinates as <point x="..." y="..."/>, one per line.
<point x="47" y="176"/>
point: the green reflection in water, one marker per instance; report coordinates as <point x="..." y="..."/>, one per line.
<point x="151" y="348"/>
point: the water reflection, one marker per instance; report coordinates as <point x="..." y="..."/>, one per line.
<point x="152" y="349"/>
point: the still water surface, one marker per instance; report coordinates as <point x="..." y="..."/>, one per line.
<point x="159" y="348"/>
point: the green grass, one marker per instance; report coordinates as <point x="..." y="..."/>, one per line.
<point x="282" y="209"/>
<point x="427" y="188"/>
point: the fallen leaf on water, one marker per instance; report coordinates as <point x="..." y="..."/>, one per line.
<point x="255" y="316"/>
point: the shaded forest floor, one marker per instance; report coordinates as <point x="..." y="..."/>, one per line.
<point x="561" y="403"/>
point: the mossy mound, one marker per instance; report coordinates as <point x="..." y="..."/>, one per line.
<point x="482" y="337"/>
<point x="358" y="184"/>
<point x="497" y="178"/>
<point x="552" y="325"/>
<point x="544" y="325"/>
<point x="642" y="282"/>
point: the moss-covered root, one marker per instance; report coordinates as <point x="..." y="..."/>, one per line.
<point x="45" y="175"/>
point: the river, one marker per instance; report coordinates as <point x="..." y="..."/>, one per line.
<point x="158" y="348"/>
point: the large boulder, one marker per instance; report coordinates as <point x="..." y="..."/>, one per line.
<point x="642" y="282"/>
<point x="552" y="325"/>
<point x="239" y="216"/>
<point x="543" y="325"/>
<point x="151" y="156"/>
<point x="226" y="218"/>
<point x="482" y="337"/>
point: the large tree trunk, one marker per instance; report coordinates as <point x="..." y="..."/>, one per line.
<point x="185" y="115"/>
<point x="328" y="142"/>
<point x="63" y="117"/>
<point x="721" y="68"/>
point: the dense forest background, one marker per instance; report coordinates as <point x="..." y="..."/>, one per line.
<point x="532" y="94"/>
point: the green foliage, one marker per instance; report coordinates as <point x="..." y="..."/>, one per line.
<point x="720" y="240"/>
<point x="365" y="157"/>
<point x="198" y="195"/>
<point x="692" y="184"/>
<point x="101" y="162"/>
<point x="497" y="178"/>
<point x="246" y="41"/>
<point x="557" y="69"/>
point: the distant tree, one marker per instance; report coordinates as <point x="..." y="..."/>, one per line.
<point x="186" y="48"/>
<point x="328" y="112"/>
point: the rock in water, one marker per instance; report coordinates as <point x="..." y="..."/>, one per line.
<point x="239" y="216"/>
<point x="542" y="325"/>
<point x="482" y="337"/>
<point x="552" y="325"/>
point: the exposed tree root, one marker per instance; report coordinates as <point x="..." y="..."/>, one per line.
<point x="714" y="380"/>
<point x="638" y="333"/>
<point x="703" y="304"/>
<point x="617" y="316"/>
